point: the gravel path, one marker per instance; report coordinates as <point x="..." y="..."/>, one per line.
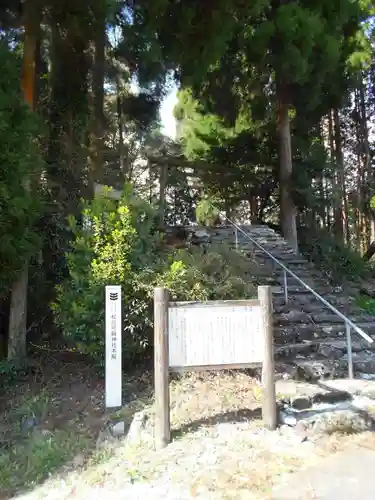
<point x="230" y="460"/>
<point x="345" y="476"/>
<point x="221" y="452"/>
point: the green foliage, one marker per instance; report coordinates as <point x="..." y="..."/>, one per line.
<point x="310" y="159"/>
<point x="227" y="115"/>
<point x="114" y="246"/>
<point x="141" y="108"/>
<point x="338" y="261"/>
<point x="20" y="166"/>
<point x="198" y="126"/>
<point x="216" y="274"/>
<point x="204" y="28"/>
<point x="119" y="244"/>
<point x="367" y="304"/>
<point x="240" y="158"/>
<point x="207" y="212"/>
<point x="29" y="456"/>
<point x="11" y="372"/>
<point x="181" y="211"/>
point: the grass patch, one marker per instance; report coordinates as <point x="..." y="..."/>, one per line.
<point x="29" y="451"/>
<point x="37" y="457"/>
<point x="366" y="303"/>
<point x="51" y="420"/>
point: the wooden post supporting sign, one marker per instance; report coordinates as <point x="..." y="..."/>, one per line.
<point x="161" y="367"/>
<point x="214" y="335"/>
<point x="269" y="410"/>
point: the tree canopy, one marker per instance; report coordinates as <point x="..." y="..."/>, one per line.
<point x="274" y="121"/>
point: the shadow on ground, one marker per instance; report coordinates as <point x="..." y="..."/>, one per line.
<point x="243" y="415"/>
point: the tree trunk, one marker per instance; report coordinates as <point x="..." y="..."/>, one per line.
<point x="321" y="209"/>
<point x="163" y="181"/>
<point x="98" y="95"/>
<point x="342" y="206"/>
<point x="369" y="252"/>
<point x="360" y="202"/>
<point x="287" y="207"/>
<point x="368" y="176"/>
<point x="121" y="149"/>
<point x="253" y="204"/>
<point x="69" y="110"/>
<point x="337" y="209"/>
<point x="17" y="342"/>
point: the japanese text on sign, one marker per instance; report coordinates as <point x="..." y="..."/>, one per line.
<point x="113" y="362"/>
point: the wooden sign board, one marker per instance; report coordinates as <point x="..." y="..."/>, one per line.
<point x="212" y="335"/>
<point x="215" y="334"/>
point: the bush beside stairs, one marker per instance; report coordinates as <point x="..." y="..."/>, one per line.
<point x="310" y="339"/>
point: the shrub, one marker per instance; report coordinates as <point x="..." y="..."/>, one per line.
<point x="207" y="212"/>
<point x="109" y="248"/>
<point x="216" y="274"/>
<point x="339" y="262"/>
<point x="118" y="244"/>
<point x="367" y="304"/>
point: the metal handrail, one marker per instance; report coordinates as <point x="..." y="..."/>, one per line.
<point x="348" y="323"/>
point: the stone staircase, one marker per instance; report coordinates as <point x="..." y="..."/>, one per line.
<point x="309" y="337"/>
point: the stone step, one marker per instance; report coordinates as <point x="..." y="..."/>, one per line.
<point x="303" y="272"/>
<point x="329" y="358"/>
<point x="292" y="264"/>
<point x="364" y="361"/>
<point x="319" y="345"/>
<point x="278" y="291"/>
<point x="304" y="299"/>
<point x="256" y="229"/>
<point x="295" y="264"/>
<point x="304" y="326"/>
<point x="300" y="333"/>
<point x="330" y="392"/>
<point x="265" y="242"/>
<point x="280" y="254"/>
<point x="332" y="349"/>
<point x="296" y="317"/>
<point x="284" y="256"/>
<point x="273" y="248"/>
<point x="310" y="278"/>
<point x="299" y="263"/>
<point x="317" y="408"/>
<point x="311" y="282"/>
<point x="316" y="307"/>
<point x="261" y="239"/>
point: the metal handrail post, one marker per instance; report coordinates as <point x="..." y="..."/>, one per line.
<point x="350" y="352"/>
<point x="305" y="285"/>
<point x="285" y="287"/>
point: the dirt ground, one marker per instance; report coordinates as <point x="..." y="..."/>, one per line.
<point x="52" y="417"/>
<point x="53" y="414"/>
